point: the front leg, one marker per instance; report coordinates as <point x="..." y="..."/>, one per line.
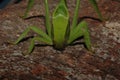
<point x="79" y="31"/>
<point x="32" y="43"/>
<point x="43" y="36"/>
<point x="86" y="36"/>
<point x="29" y="6"/>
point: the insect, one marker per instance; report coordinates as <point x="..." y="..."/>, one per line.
<point x="59" y="33"/>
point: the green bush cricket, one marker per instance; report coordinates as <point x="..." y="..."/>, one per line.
<point x="58" y="31"/>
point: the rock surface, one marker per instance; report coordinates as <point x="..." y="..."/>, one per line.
<point x="75" y="62"/>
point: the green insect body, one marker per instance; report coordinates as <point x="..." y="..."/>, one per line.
<point x="60" y="23"/>
<point x="59" y="33"/>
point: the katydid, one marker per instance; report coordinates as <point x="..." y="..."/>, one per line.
<point x="58" y="31"/>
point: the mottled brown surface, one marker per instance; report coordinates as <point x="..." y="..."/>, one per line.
<point x="75" y="62"/>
